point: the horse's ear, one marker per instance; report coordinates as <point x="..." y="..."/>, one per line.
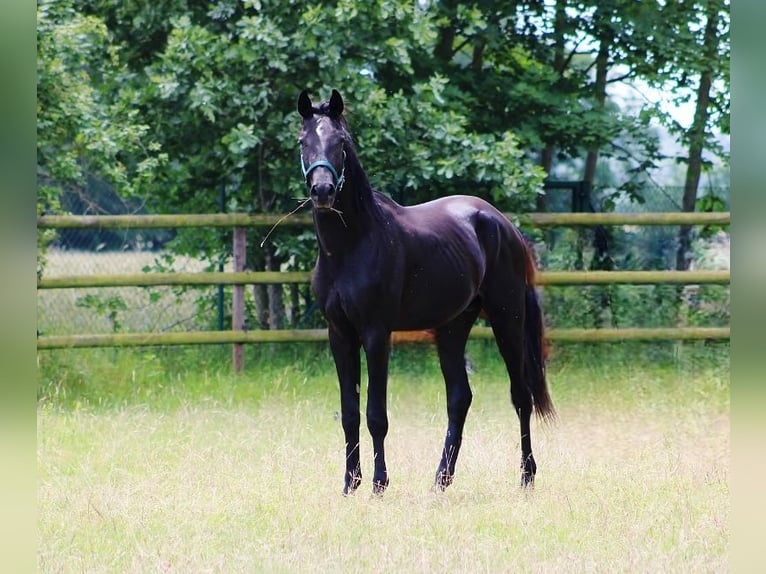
<point x="336" y="104"/>
<point x="305" y="108"/>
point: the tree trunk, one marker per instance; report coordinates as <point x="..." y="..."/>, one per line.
<point x="477" y="60"/>
<point x="602" y="67"/>
<point x="591" y="159"/>
<point x="256" y="260"/>
<point x="447" y="13"/>
<point x="261" y="301"/>
<point x="600" y="297"/>
<point x="275" y="291"/>
<point x="559" y="63"/>
<point x="546" y="162"/>
<point x="697" y="138"/>
<point x="294" y="310"/>
<point x="276" y="307"/>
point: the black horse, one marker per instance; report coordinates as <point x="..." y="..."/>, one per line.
<point x="383" y="267"/>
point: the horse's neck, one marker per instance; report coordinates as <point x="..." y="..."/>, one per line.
<point x="341" y="230"/>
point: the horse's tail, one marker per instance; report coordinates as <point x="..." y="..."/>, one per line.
<point x="536" y="346"/>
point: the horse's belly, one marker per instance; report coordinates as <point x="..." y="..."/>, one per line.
<point x="433" y="304"/>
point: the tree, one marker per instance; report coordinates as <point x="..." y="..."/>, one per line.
<point x="218" y="88"/>
<point x="83" y="127"/>
<point x="705" y="27"/>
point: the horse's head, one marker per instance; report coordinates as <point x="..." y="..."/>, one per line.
<point x="322" y="140"/>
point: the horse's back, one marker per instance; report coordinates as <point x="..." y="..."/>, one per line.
<point x="449" y="247"/>
<point x="451" y="210"/>
<point x="464" y="220"/>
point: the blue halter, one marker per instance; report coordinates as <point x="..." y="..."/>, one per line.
<point x="324" y="163"/>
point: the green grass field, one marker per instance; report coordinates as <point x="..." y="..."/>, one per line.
<point x="161" y="461"/>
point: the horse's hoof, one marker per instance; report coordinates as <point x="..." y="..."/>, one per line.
<point x="351" y="484"/>
<point x="442" y="481"/>
<point x="528" y="471"/>
<point x="379" y="487"/>
<point x="527" y="480"/>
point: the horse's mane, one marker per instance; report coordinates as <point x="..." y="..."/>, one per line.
<point x="322" y="109"/>
<point x="373" y="196"/>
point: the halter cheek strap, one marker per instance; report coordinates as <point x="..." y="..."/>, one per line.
<point x="324" y="163"/>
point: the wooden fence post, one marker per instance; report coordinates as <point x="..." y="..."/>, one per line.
<point x="239" y="251"/>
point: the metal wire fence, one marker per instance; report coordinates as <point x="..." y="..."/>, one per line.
<point x="119" y="309"/>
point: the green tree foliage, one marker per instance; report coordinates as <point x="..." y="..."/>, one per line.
<point x="220" y="94"/>
<point x="445" y="96"/>
<point x="84" y="127"/>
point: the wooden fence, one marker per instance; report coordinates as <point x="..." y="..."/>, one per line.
<point x="237" y="336"/>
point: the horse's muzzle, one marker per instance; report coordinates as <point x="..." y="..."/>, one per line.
<point x="322" y="195"/>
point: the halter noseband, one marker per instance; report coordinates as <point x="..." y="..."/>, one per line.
<point x="324" y="163"/>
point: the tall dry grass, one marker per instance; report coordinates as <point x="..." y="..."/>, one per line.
<point x="213" y="473"/>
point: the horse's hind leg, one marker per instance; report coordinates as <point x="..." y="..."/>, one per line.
<point x="507" y="321"/>
<point x="450" y="341"/>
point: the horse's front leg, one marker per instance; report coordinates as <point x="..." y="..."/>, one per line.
<point x="345" y="351"/>
<point x="377" y="347"/>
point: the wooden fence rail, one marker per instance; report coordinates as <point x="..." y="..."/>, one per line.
<point x="318" y="335"/>
<point x="238" y="278"/>
<point x="284" y="277"/>
<point x="303" y="220"/>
